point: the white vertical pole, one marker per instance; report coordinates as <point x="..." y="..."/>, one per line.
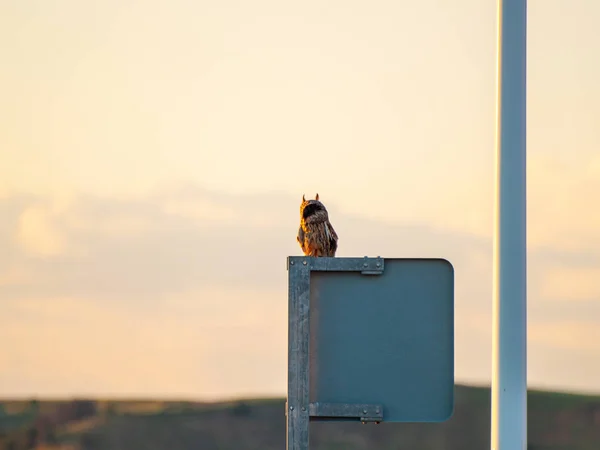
<point x="509" y="347"/>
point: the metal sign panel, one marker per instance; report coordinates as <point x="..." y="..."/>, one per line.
<point x="385" y="339"/>
<point x="369" y="339"/>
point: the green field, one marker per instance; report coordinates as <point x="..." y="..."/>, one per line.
<point x="556" y="422"/>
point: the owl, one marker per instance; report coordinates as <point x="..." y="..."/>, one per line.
<point x="316" y="235"/>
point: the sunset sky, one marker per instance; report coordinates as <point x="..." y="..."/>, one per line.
<point x="153" y="156"/>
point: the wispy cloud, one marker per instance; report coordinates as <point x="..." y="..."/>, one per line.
<point x="147" y="299"/>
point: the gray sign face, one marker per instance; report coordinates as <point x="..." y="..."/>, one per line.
<point x="369" y="339"/>
<point x="385" y="339"/>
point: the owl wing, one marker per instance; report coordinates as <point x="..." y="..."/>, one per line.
<point x="300" y="237"/>
<point x="332" y="236"/>
<point x="331" y="232"/>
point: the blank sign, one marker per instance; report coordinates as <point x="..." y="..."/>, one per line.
<point x="385" y="339"/>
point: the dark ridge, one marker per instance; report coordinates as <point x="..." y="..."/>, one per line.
<point x="312" y="208"/>
<point x="555" y="421"/>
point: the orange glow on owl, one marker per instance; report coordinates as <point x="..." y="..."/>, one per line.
<point x="316" y="235"/>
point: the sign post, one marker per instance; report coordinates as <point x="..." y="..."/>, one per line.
<point x="369" y="340"/>
<point x="509" y="338"/>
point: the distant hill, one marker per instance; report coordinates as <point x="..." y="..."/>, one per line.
<point x="556" y="422"/>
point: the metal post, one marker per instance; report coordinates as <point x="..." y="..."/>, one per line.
<point x="509" y="348"/>
<point x="297" y="406"/>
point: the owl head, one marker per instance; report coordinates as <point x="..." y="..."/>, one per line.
<point x="310" y="207"/>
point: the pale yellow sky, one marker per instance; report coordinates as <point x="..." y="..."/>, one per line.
<point x="152" y="157"/>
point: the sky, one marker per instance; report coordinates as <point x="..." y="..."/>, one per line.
<point x="153" y="156"/>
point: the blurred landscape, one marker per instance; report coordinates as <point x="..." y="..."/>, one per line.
<point x="557" y="421"/>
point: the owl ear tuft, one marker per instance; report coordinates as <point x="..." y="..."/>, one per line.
<point x="303" y="199"/>
<point x="317" y="197"/>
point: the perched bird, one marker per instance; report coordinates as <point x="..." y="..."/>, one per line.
<point x="316" y="235"/>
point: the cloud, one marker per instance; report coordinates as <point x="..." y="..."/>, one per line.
<point x="187" y="347"/>
<point x="140" y="247"/>
<point x="581" y="336"/>
<point x="179" y="291"/>
<point x="574" y="283"/>
<point x="561" y="195"/>
<point x="563" y="351"/>
<point x="36" y="233"/>
<point x="85" y="345"/>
